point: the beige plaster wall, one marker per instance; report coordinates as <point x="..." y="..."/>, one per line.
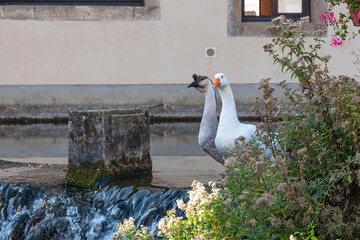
<point x="167" y="51"/>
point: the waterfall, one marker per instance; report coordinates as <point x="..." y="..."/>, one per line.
<point x="30" y="214"/>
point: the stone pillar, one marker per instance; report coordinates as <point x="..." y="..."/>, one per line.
<point x="107" y="143"/>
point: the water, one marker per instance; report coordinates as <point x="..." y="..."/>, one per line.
<point x="49" y="140"/>
<point x="28" y="212"/>
<point x="177" y="158"/>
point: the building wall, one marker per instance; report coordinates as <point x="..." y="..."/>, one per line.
<point x="164" y="101"/>
<point x="57" y="59"/>
<point x="164" y="50"/>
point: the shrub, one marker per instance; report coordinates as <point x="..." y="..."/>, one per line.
<point x="319" y="135"/>
<point x="310" y="187"/>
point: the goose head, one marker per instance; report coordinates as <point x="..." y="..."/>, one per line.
<point x="220" y="81"/>
<point x="200" y="83"/>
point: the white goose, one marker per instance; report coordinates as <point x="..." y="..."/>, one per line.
<point x="209" y="122"/>
<point x="230" y="128"/>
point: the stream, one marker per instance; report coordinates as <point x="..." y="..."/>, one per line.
<point x="28" y="212"/>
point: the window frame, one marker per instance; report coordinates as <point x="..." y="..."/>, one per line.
<point x="74" y="2"/>
<point x="306" y="10"/>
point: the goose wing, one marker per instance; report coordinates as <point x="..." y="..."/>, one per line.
<point x="210" y="148"/>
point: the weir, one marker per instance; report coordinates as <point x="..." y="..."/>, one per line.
<point x="28" y="213"/>
<point x="107" y="144"/>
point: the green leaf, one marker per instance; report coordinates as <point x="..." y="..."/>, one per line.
<point x="349" y="179"/>
<point x="307" y="58"/>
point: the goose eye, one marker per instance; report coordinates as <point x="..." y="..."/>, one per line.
<point x="222" y="76"/>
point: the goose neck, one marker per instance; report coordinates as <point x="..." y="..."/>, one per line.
<point x="210" y="105"/>
<point x="228" y="110"/>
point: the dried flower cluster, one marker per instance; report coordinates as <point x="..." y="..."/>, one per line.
<point x="318" y="137"/>
<point x="197" y="212"/>
<point x="127" y="230"/>
<point x="357" y="63"/>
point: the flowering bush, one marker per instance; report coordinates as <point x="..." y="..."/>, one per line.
<point x="319" y="137"/>
<point x="205" y="218"/>
<point x="340" y="23"/>
<point x="310" y="187"/>
<point x="128" y="231"/>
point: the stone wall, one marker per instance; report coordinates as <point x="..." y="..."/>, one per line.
<point x="149" y="12"/>
<point x="168" y="51"/>
<point x="162" y="100"/>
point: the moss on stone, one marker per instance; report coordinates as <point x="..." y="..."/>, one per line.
<point x="86" y="177"/>
<point x="129" y="166"/>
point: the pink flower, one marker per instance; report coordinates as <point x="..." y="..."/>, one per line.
<point x="357" y="18"/>
<point x="329" y="17"/>
<point x="337" y="41"/>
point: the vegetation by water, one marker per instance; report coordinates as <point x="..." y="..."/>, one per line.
<point x="310" y="187"/>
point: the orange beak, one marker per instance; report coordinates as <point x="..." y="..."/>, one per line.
<point x="216" y="83"/>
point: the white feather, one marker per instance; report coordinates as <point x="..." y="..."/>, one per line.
<point x="230" y="128"/>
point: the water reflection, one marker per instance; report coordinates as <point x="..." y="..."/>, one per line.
<point x="176" y="156"/>
<point x="49" y="140"/>
<point x="177" y="161"/>
<point x="180" y="139"/>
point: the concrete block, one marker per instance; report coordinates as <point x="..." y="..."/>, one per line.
<point x="17" y="12"/>
<point x="108" y="143"/>
<point x="86" y="138"/>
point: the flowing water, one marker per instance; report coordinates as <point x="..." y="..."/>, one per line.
<point x="27" y="212"/>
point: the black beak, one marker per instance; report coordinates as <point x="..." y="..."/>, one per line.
<point x="195" y="82"/>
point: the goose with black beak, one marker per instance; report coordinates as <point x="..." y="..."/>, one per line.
<point x="209" y="121"/>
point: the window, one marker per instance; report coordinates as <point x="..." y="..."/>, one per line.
<point x="265" y="10"/>
<point x="75" y="2"/>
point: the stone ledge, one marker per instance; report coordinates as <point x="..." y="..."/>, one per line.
<point x="96" y="13"/>
<point x="164" y="101"/>
<point x="18" y="12"/>
<point x="149" y="12"/>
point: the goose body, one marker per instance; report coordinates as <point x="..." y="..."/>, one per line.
<point x="230" y="128"/>
<point x="209" y="121"/>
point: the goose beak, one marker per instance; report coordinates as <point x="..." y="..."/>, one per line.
<point x="216" y="83"/>
<point x="194" y="84"/>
